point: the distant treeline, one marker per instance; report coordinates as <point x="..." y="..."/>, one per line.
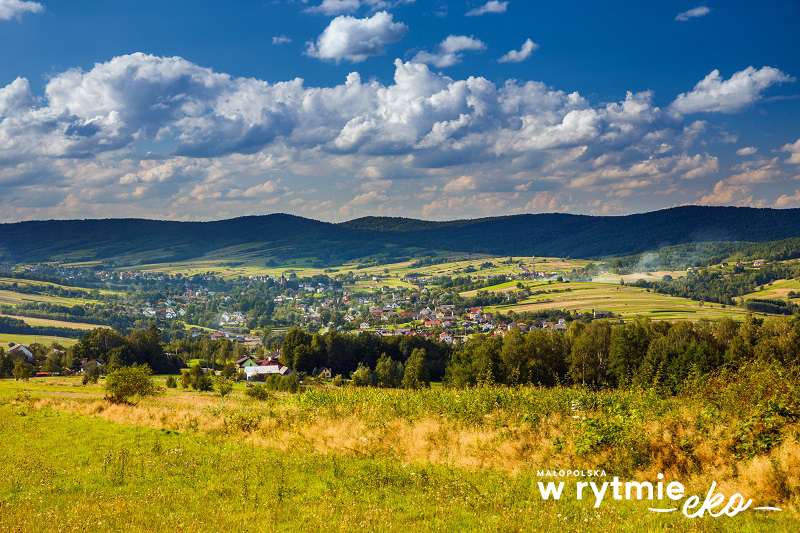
<point x="643" y="353"/>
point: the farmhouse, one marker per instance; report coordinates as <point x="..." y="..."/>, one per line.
<point x="267" y="367"/>
<point x="20" y="349"/>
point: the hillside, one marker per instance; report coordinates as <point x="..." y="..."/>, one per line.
<point x="280" y="235"/>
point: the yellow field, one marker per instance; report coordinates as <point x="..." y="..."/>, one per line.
<point x="14" y="298"/>
<point x="55" y="323"/>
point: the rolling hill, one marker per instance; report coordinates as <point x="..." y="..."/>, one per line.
<point x="554" y="234"/>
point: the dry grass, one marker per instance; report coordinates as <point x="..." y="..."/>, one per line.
<point x="633" y="435"/>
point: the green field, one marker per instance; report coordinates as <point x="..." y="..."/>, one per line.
<point x="343" y="459"/>
<point x="627" y="302"/>
<point x="251" y="266"/>
<point x="777" y="290"/>
<point x="6" y="338"/>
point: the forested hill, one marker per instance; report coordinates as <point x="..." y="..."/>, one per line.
<point x="562" y="235"/>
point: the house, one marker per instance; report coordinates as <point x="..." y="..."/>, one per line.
<point x="322" y="372"/>
<point x="20" y="350"/>
<point x="267" y="367"/>
<point x="245" y="362"/>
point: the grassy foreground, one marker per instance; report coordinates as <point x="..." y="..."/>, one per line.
<point x="345" y="459"/>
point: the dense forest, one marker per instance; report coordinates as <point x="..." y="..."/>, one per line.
<point x="285" y="236"/>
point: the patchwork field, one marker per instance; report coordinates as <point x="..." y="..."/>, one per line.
<point x="250" y="266"/>
<point x="627" y="302"/>
<point x="777" y="290"/>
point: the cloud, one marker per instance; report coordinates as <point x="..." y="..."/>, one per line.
<point x="759" y="171"/>
<point x="281" y="39"/>
<point x="492" y="6"/>
<point x="786" y="200"/>
<point x="142" y="135"/>
<point x="743" y="89"/>
<point x="448" y="51"/>
<point x="339" y="7"/>
<point x="726" y="194"/>
<point x="517" y="56"/>
<point x="16" y="8"/>
<point x="355" y="39"/>
<point x="462" y="183"/>
<point x="336" y="7"/>
<point x="700" y="11"/>
<point x="747" y="150"/>
<point x="793" y="149"/>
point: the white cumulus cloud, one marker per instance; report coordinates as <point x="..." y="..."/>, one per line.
<point x="517" y="56"/>
<point x="16" y="8"/>
<point x="715" y="94"/>
<point x="448" y="52"/>
<point x="355" y="39"/>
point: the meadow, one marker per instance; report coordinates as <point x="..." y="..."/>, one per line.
<point x="343" y="458"/>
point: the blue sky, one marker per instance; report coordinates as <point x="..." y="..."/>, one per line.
<point x="439" y="110"/>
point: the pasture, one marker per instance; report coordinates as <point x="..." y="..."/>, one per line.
<point x="347" y="458"/>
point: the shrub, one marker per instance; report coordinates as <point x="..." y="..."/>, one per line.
<point x="258" y="392"/>
<point x="186" y="378"/>
<point x="224" y="386"/>
<point x="199" y="379"/>
<point x="362" y="376"/>
<point x="172" y="383"/>
<point x="129" y="382"/>
<point x="91" y="372"/>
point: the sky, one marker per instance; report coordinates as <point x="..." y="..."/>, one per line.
<point x="337" y="109"/>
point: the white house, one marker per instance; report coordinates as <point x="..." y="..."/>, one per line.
<point x="21" y="349"/>
<point x="267" y="367"/>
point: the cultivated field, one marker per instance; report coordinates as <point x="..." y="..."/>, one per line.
<point x="54" y="323"/>
<point x="6" y="338"/>
<point x="627" y="302"/>
<point x="376" y="459"/>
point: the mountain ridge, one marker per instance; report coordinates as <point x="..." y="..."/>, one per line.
<point x="554" y="234"/>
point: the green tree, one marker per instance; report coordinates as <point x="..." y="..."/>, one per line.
<point x="22" y="370"/>
<point x="416" y="375"/>
<point x="129" y="382"/>
<point x="362" y="376"/>
<point x="388" y="373"/>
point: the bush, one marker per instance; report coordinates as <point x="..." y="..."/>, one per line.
<point x="172" y="383"/>
<point x="258" y="392"/>
<point x="129" y="382"/>
<point x="91" y="372"/>
<point x="199" y="379"/>
<point x="224" y="386"/>
<point x="362" y="376"/>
